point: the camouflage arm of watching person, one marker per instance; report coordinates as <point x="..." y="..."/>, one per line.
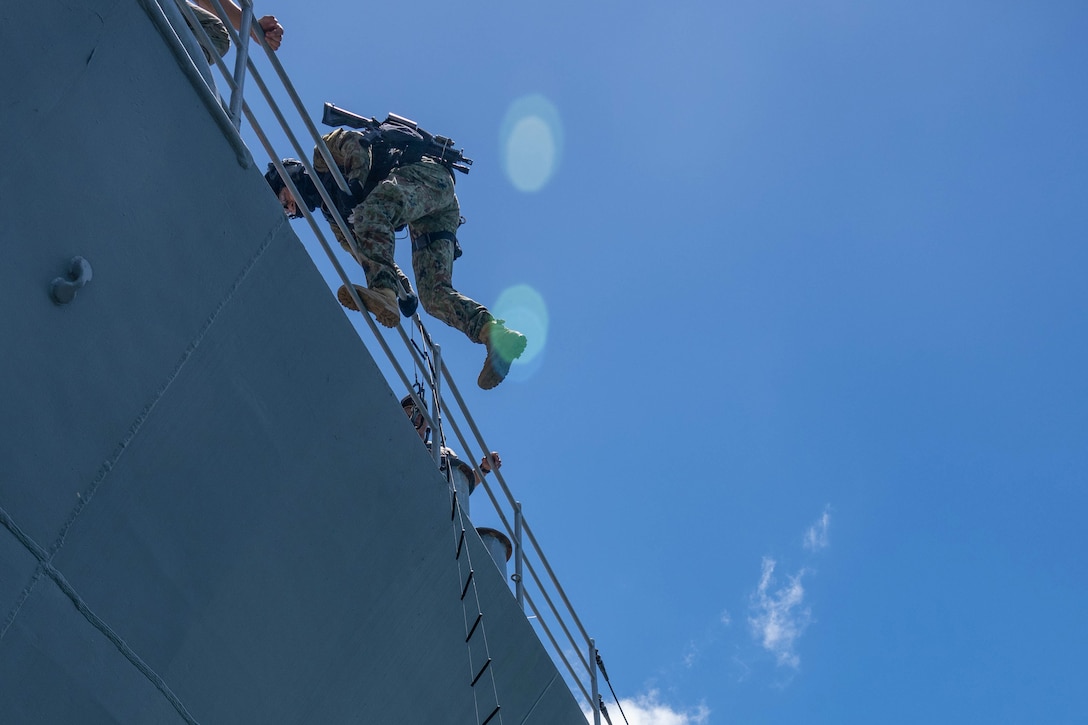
<point x="273" y="31"/>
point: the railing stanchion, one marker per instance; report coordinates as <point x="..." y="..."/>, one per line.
<point x="241" y="57"/>
<point x="596" y="704"/>
<point x="519" y="579"/>
<point x="436" y="432"/>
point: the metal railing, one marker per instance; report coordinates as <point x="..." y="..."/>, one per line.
<point x="535" y="582"/>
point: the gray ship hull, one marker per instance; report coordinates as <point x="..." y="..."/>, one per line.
<point x="211" y="506"/>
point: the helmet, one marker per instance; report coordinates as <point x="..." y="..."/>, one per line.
<point x="413" y="411"/>
<point x="300" y="178"/>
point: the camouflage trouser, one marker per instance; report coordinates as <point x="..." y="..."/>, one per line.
<point x="406" y="284"/>
<point x="420" y="195"/>
<point x="216" y="30"/>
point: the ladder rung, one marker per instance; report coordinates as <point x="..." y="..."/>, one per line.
<point x="460" y="543"/>
<point x="474" y="626"/>
<point x="481" y="672"/>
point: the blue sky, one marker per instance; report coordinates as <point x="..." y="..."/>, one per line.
<point x="804" y="431"/>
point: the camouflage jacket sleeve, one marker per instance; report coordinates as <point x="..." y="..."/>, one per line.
<point x="336" y="231"/>
<point x="348" y="151"/>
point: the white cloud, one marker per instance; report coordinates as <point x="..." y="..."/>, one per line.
<point x="691" y="656"/>
<point x="779" y="617"/>
<point x="816" y="536"/>
<point x="647" y="709"/>
<point x="727" y="619"/>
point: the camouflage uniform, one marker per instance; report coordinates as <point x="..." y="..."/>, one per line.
<point x="214" y="27"/>
<point x="418" y="195"/>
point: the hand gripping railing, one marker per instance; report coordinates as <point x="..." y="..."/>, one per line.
<point x="576" y="651"/>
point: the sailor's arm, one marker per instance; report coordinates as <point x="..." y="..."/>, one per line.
<point x="487" y="463"/>
<point x="273" y="31"/>
<point x="338" y="234"/>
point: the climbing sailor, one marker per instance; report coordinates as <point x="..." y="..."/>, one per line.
<point x="396" y="179"/>
<point x="463" y="477"/>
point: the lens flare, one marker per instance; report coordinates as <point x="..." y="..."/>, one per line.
<point x="525" y="310"/>
<point x="532" y="142"/>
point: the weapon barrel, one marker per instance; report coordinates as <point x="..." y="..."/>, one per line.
<point x="439" y="148"/>
<point x="336" y="116"/>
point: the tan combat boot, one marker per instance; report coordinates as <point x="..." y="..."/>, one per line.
<point x="503" y="347"/>
<point x="382" y="303"/>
